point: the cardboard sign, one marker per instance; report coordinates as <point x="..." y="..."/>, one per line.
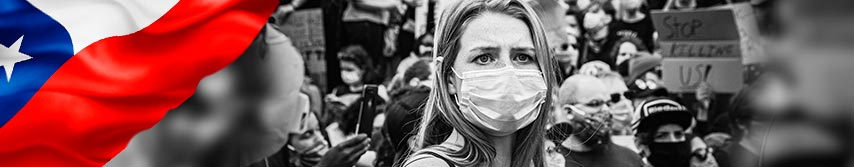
<point x="707" y="45"/>
<point x="697" y="25"/>
<point x="683" y="75"/>
<point x="708" y="33"/>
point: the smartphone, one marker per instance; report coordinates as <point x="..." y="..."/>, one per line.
<point x="367" y="110"/>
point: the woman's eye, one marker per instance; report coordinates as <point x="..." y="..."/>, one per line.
<point x="524" y="58"/>
<point x="482" y="59"/>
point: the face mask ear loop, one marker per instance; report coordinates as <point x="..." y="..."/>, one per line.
<point x="456" y="74"/>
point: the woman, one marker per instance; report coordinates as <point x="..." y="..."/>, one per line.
<point x="493" y="85"/>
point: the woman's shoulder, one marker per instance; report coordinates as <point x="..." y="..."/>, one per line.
<point x="425" y="160"/>
<point x="430" y="157"/>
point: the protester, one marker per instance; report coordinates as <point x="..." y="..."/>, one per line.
<point x="595" y="43"/>
<point x="492" y="86"/>
<point x="665" y="138"/>
<point x="624" y="50"/>
<point x="622" y="111"/>
<point x="404" y="111"/>
<point x="645" y="78"/>
<point x="357" y="69"/>
<point x="308" y="147"/>
<point x="586" y="102"/>
<point x="567" y="54"/>
<point x="632" y="22"/>
<point x="423" y="51"/>
<point x="365" y="24"/>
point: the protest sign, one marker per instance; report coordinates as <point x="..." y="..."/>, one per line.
<point x="685" y="74"/>
<point x="707" y="45"/>
<point x="697" y="25"/>
<point x="726" y="31"/>
<point x="305" y="29"/>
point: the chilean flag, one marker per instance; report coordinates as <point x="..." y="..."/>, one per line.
<point x="79" y="78"/>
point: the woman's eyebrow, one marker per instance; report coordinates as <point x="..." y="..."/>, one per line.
<point x="524" y="49"/>
<point x="485" y="48"/>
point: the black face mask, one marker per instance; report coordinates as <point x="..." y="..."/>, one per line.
<point x="559" y="132"/>
<point x="592" y="133"/>
<point x="670" y="154"/>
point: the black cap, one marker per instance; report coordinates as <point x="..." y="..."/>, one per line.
<point x="661" y="111"/>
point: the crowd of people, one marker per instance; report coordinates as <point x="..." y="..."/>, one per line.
<point x="485" y="85"/>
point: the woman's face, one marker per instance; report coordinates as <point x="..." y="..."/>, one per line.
<point x="350" y="73"/>
<point x="670" y="133"/>
<point x="493" y="41"/>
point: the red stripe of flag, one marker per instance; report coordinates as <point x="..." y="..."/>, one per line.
<point x="87" y="112"/>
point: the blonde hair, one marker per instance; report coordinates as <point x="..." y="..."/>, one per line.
<point x="442" y="110"/>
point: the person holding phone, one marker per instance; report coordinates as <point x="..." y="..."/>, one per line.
<point x="493" y="85"/>
<point x="346" y="105"/>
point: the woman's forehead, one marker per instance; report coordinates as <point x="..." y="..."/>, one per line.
<point x="496" y="30"/>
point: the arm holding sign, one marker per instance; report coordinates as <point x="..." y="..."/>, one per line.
<point x="704" y="94"/>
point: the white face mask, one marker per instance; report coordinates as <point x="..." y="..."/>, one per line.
<point x="501" y="101"/>
<point x="350" y="77"/>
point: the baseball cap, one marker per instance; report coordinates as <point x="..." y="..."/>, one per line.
<point x="661" y="111"/>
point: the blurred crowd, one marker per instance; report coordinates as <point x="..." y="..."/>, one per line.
<point x="611" y="107"/>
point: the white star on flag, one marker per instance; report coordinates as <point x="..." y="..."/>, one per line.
<point x="11" y="55"/>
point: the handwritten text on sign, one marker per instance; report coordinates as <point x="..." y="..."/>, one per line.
<point x="717" y="24"/>
<point x="685" y="74"/>
<point x="701" y="49"/>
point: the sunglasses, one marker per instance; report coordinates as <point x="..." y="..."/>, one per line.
<point x="616" y="97"/>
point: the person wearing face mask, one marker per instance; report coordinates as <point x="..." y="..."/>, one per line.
<point x="585" y="114"/>
<point x="622" y="111"/>
<point x="344" y="102"/>
<point x="492" y="86"/>
<point x="595" y="43"/>
<point x="665" y="139"/>
<point x="632" y="21"/>
<point x="357" y="69"/>
<point x="308" y="147"/>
